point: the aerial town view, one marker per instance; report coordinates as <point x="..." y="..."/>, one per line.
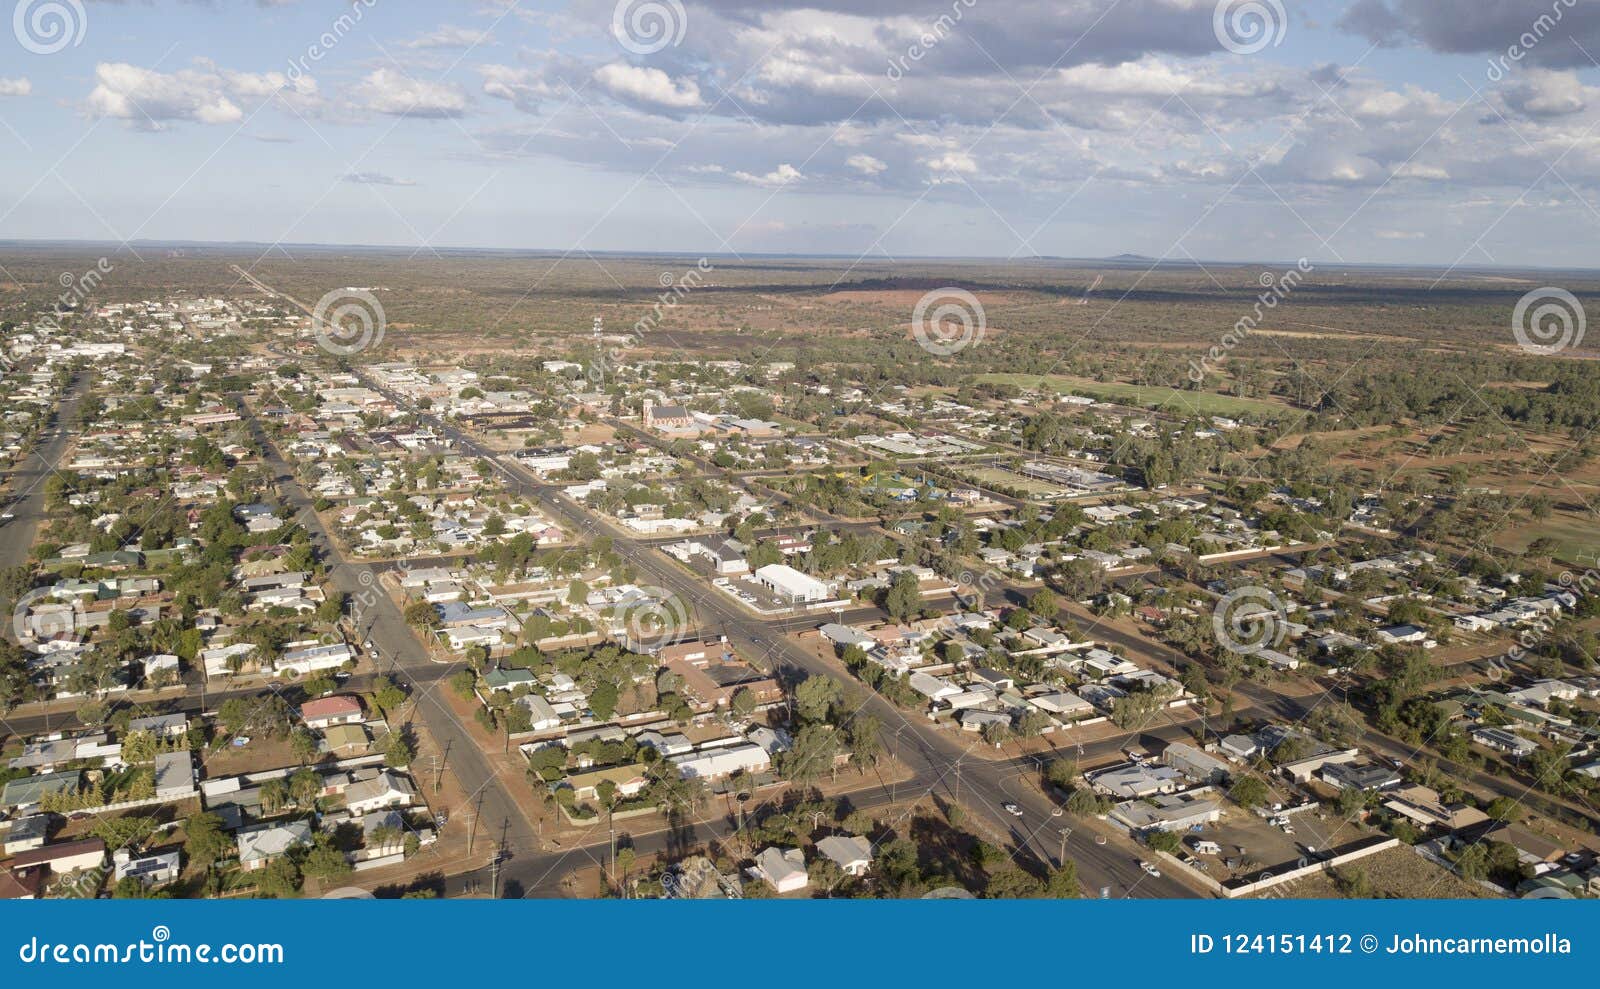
<point x="721" y="450"/>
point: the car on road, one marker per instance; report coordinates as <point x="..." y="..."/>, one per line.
<point x="1012" y="809"/>
<point x="1150" y="868"/>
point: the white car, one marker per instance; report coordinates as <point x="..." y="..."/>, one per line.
<point x="1150" y="868"/>
<point x="1013" y="810"/>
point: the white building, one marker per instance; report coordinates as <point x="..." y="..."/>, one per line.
<point x="792" y="584"/>
<point x="784" y="871"/>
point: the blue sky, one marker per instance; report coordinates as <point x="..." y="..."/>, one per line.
<point x="1394" y="131"/>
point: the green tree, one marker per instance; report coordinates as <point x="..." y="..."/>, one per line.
<point x="387" y="695"/>
<point x="1249" y="791"/>
<point x="1011" y="883"/>
<point x="204" y="839"/>
<point x="904" y="598"/>
<point x="397" y="752"/>
<point x="324" y="861"/>
<point x="812" y="755"/>
<point x="603" y="700"/>
<point x="1062" y="883"/>
<point x="303" y="744"/>
<point x="279" y="879"/>
<point x="816" y="697"/>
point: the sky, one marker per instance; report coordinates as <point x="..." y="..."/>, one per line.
<point x="1462" y="132"/>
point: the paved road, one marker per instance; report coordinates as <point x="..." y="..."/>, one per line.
<point x="494" y="812"/>
<point x="27" y="482"/>
<point x="933" y="756"/>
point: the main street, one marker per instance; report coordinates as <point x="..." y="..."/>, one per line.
<point x="944" y="762"/>
<point x="27" y="489"/>
<point x="399" y="650"/>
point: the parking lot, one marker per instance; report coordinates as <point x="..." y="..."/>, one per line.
<point x="1251" y="844"/>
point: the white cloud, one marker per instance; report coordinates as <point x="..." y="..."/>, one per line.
<point x="1417" y="170"/>
<point x="392" y="92"/>
<point x="449" y="36"/>
<point x="15" y="87"/>
<point x="866" y="164"/>
<point x="650" y="87"/>
<point x="959" y="162"/>
<point x="1541" y="93"/>
<point x="205" y="94"/>
<point x="777" y="178"/>
<point x="376" y="178"/>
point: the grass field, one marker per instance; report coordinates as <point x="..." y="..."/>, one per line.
<point x="1576" y="539"/>
<point x="1171" y="399"/>
<point x="995" y="477"/>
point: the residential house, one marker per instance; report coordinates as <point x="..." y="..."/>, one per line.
<point x="851" y="853"/>
<point x="261" y="844"/>
<point x="384" y="789"/>
<point x="783" y="870"/>
<point x="63" y="857"/>
<point x="325" y="712"/>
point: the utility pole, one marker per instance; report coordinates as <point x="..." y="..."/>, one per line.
<point x="470" y="831"/>
<point x="1061" y="859"/>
